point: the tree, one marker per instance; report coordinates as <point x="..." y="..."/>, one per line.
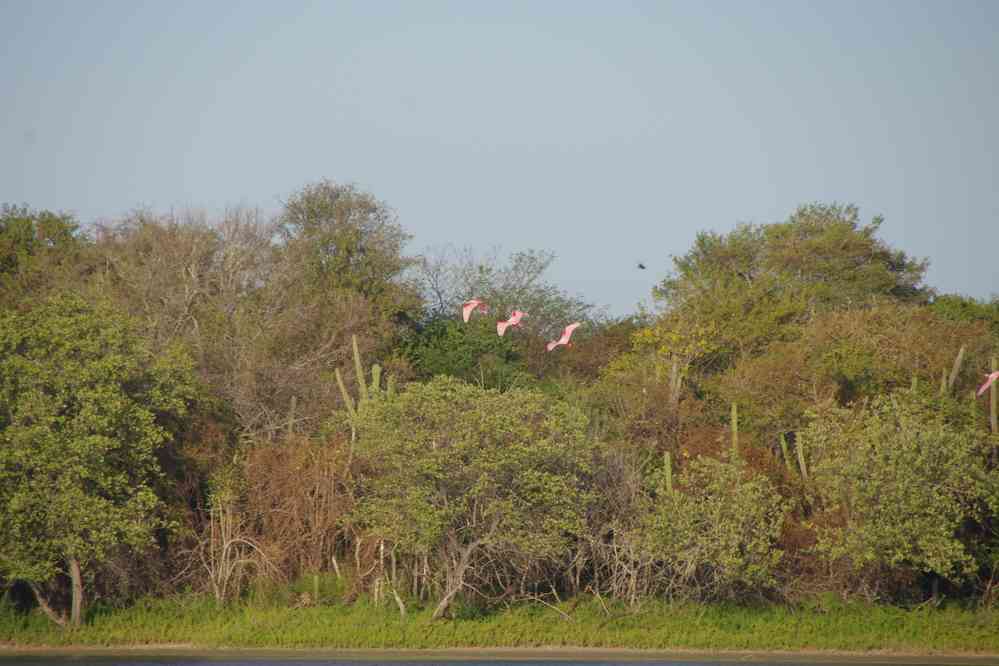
<point x="264" y="333"/>
<point x="896" y="484"/>
<point x="447" y="278"/>
<point x="757" y="284"/>
<point x="37" y="248"/>
<point x="456" y="472"/>
<point x="472" y="352"/>
<point x="963" y="308"/>
<point x="849" y="356"/>
<point x="347" y="239"/>
<point x="81" y="411"/>
<point x="717" y="533"/>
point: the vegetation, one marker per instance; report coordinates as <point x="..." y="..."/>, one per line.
<point x="588" y="622"/>
<point x="78" y="433"/>
<point x="244" y="431"/>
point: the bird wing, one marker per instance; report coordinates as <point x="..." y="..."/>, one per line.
<point x="466" y="309"/>
<point x="988" y="382"/>
<point x="566" y="334"/>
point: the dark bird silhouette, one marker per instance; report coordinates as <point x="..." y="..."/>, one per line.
<point x="641" y="265"/>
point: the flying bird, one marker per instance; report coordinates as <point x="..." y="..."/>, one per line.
<point x="566" y="334"/>
<point x="641" y="265"/>
<point x="474" y="305"/>
<point x="514" y="320"/>
<point x="989" y="380"/>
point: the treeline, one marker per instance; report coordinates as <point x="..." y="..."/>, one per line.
<point x="221" y="404"/>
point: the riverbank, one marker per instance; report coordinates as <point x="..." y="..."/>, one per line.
<point x="586" y="624"/>
<point x="190" y="653"/>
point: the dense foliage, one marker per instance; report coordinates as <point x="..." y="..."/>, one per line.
<point x="81" y="407"/>
<point x="225" y="405"/>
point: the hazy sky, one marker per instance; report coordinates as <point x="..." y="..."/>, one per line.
<point x="606" y="132"/>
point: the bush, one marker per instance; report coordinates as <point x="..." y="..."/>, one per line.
<point x="452" y="473"/>
<point x="716" y="534"/>
<point x="895" y="483"/>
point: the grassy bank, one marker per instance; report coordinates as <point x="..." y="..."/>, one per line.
<point x="200" y="622"/>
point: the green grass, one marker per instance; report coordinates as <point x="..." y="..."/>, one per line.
<point x="200" y="622"/>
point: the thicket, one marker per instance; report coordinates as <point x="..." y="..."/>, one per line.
<point x="220" y="405"/>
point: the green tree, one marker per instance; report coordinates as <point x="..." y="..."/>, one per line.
<point x="448" y="278"/>
<point x="757" y="284"/>
<point x="717" y="532"/>
<point x="347" y="239"/>
<point x="37" y="248"/>
<point x="896" y="484"/>
<point x="849" y="356"/>
<point x="81" y="405"/>
<point x="457" y="472"/>
<point x="963" y="308"/>
<point x="472" y="352"/>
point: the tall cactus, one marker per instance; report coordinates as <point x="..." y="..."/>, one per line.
<point x="348" y="401"/>
<point x="364" y="391"/>
<point x="994" y="401"/>
<point x="668" y="470"/>
<point x="799" y="445"/>
<point x="787" y="458"/>
<point x="955" y="370"/>
<point x="735" y="431"/>
<point x="291" y="417"/>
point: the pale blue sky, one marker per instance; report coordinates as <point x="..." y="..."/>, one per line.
<point x="605" y="132"/>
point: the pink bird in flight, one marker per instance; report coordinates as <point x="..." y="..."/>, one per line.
<point x="566" y="334"/>
<point x="473" y="305"/>
<point x="989" y="380"/>
<point x="514" y="320"/>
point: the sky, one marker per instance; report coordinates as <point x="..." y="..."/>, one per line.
<point x="608" y="133"/>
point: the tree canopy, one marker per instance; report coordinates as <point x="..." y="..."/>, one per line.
<point x="80" y="408"/>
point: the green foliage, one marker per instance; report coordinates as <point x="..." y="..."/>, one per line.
<point x="755" y="284"/>
<point x="717" y="533"/>
<point x="850" y="356"/>
<point x="449" y="486"/>
<point x="962" y="308"/>
<point x="81" y="404"/>
<point x="896" y="483"/>
<point x="472" y="352"/>
<point x="556" y="631"/>
<point x="36" y="249"/>
<point x="584" y="622"/>
<point x="451" y="465"/>
<point x="347" y="239"/>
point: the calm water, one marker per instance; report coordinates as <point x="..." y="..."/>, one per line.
<point x="243" y="660"/>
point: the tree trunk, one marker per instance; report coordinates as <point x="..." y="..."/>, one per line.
<point x="457" y="581"/>
<point x="77" y="580"/>
<point x="43" y="603"/>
